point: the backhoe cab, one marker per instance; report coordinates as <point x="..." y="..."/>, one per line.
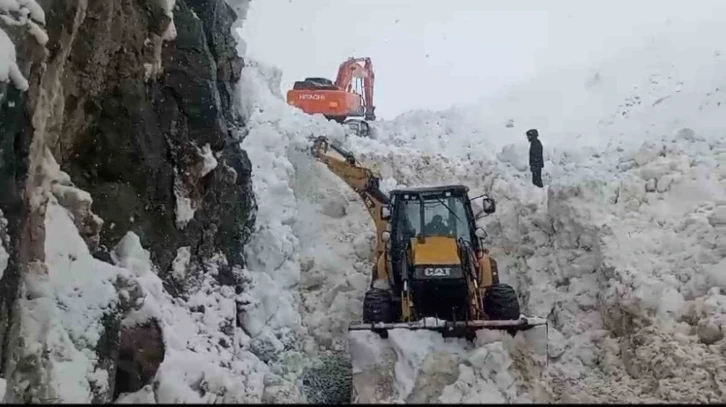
<point x="438" y="266"/>
<point x="432" y="269"/>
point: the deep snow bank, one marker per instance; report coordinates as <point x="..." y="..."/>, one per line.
<point x="272" y="310"/>
<point x="622" y="252"/>
<point x="626" y="270"/>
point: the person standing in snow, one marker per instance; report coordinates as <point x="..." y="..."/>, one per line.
<point x="536" y="162"/>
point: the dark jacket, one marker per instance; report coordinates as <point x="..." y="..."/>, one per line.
<point x="535" y="154"/>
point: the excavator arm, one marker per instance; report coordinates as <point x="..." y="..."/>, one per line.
<point x="352" y="69"/>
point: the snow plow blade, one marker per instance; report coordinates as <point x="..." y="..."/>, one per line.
<point x="454" y="328"/>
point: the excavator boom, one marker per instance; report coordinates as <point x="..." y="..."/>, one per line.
<point x="352" y="70"/>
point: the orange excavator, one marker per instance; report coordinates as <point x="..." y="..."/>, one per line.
<point x="350" y="96"/>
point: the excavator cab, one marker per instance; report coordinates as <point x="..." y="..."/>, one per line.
<point x="344" y="101"/>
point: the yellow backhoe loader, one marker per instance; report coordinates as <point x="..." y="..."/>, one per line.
<point x="431" y="269"/>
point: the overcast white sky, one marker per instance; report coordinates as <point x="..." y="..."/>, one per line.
<point x="432" y="54"/>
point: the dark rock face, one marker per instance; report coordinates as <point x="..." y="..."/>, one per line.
<point x="134" y="120"/>
<point x="138" y="141"/>
<point x="15" y="136"/>
<point x="141" y="351"/>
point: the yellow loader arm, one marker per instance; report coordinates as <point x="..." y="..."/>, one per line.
<point x="362" y="180"/>
<point x="365" y="183"/>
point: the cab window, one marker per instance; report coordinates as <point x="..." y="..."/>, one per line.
<point x="443" y="216"/>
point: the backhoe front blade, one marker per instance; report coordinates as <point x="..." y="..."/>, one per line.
<point x="521" y="324"/>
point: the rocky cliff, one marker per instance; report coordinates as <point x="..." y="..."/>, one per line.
<point x="129" y="101"/>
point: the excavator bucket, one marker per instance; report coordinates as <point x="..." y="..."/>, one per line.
<point x="453" y="328"/>
<point x="360" y="128"/>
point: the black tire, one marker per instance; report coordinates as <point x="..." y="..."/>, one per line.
<point x="501" y="303"/>
<point x="377" y="306"/>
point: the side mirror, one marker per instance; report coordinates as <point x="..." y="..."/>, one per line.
<point x="488" y="205"/>
<point x="481" y="233"/>
<point x="385" y="213"/>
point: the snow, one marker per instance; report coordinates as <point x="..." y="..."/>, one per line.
<point x="184" y="209"/>
<point x="168" y="7"/>
<point x="272" y="253"/>
<point x="9" y="70"/>
<point x="181" y="263"/>
<point x="66" y="300"/>
<point x="202" y="352"/>
<point x="209" y="161"/>
<point x="18" y="13"/>
<point x="639" y="95"/>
